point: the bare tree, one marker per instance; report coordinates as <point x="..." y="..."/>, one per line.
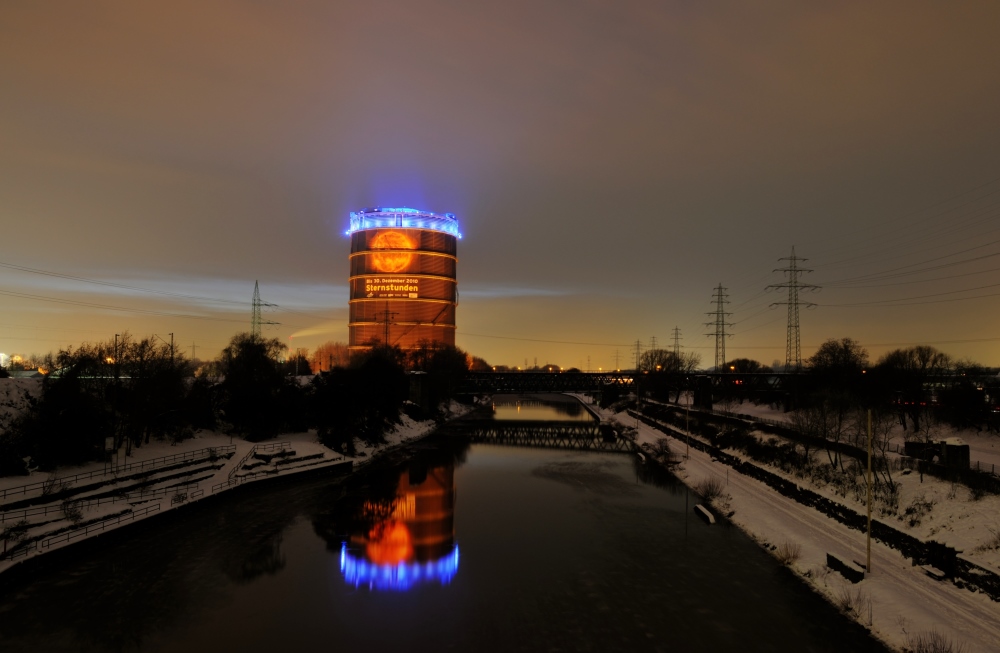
<point x="329" y="355"/>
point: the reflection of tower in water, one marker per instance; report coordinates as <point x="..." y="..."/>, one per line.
<point x="411" y="539"/>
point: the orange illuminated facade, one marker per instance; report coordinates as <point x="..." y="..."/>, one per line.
<point x="403" y="287"/>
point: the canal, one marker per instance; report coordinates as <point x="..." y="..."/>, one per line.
<point x="444" y="545"/>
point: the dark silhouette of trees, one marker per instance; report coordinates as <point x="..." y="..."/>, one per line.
<point x="903" y="377"/>
<point x="360" y="401"/>
<point x="252" y="391"/>
<point x="296" y="365"/>
<point x="68" y="424"/>
<point x="839" y="366"/>
<point x="328" y="356"/>
<point x="963" y="400"/>
<point x="667" y="373"/>
<point x="444" y="366"/>
<point x="126" y="389"/>
<point x="132" y="390"/>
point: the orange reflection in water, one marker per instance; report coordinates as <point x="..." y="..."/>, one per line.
<point x="418" y="525"/>
<point x="389" y="543"/>
<point x="391" y="261"/>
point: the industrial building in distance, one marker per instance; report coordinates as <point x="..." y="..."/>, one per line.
<point x="403" y="282"/>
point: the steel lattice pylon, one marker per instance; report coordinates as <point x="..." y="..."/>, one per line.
<point x="793" y="343"/>
<point x="255" y="318"/>
<point x="721" y="299"/>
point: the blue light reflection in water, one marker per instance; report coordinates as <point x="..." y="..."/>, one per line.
<point x="401" y="577"/>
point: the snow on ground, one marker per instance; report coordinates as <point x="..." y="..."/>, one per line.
<point x="304" y="444"/>
<point x="904" y="602"/>
<point x="983" y="445"/>
<point x="953" y="516"/>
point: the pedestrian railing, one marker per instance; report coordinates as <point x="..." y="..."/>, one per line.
<point x="148" y="495"/>
<point x="54" y="484"/>
<point x="96" y="527"/>
<point x="270" y="446"/>
<point x="82" y="504"/>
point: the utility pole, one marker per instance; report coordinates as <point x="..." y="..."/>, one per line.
<point x="677" y="342"/>
<point x="194" y="349"/>
<point x="638" y="350"/>
<point x="387" y="316"/>
<point x="117" y="400"/>
<point x="652" y="342"/>
<point x="617" y="357"/>
<point x="721" y="299"/>
<point x="793" y="345"/>
<point x="868" y="561"/>
<point x="156" y="335"/>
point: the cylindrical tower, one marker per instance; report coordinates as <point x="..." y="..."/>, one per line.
<point x="403" y="283"/>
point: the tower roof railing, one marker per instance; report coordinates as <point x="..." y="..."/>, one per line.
<point x="403" y="218"/>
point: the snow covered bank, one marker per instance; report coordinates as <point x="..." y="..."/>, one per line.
<point x="51" y="512"/>
<point x="898" y="601"/>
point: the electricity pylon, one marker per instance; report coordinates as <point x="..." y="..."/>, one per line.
<point x="721" y="299"/>
<point x="255" y="319"/>
<point x="793" y="344"/>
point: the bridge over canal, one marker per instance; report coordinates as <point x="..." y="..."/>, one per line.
<point x="760" y="386"/>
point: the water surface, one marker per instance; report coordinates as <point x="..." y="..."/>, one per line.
<point x="501" y="549"/>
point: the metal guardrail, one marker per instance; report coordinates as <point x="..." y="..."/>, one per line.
<point x="270" y="446"/>
<point x="13" y="555"/>
<point x="235" y="480"/>
<point x="70" y="535"/>
<point x="144" y="465"/>
<point x="97" y="526"/>
<point x="162" y="492"/>
<point x="45" y="510"/>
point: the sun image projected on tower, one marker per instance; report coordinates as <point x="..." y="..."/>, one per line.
<point x="403" y="277"/>
<point x="393" y="260"/>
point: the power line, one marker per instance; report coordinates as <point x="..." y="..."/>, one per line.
<point x="110" y="284"/>
<point x="884" y="304"/>
<point x="141" y="311"/>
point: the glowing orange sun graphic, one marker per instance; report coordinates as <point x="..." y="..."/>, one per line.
<point x="391" y="261"/>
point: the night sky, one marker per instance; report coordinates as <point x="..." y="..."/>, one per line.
<point x="610" y="163"/>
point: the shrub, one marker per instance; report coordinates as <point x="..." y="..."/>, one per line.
<point x="853" y="601"/>
<point x="917" y="510"/>
<point x="932" y="642"/>
<point x="710" y="488"/>
<point x="72" y="512"/>
<point x="788" y="552"/>
<point x="991" y="544"/>
<point x="14" y="533"/>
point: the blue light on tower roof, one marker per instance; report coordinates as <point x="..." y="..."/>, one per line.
<point x="403" y="218"/>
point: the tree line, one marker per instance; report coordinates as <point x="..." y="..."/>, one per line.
<point x="123" y="393"/>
